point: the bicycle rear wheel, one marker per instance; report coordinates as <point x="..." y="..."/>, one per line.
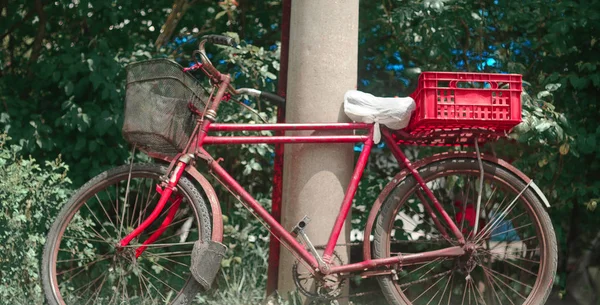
<point x="82" y="263"/>
<point x="514" y="253"/>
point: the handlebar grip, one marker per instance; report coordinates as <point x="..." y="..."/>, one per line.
<point x="220" y="39"/>
<point x="274" y="98"/>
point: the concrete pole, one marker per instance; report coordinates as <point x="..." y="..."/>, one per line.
<point x="322" y="62"/>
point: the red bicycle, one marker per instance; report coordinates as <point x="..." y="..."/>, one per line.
<point x="453" y="228"/>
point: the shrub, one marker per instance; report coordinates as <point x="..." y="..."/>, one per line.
<point x="30" y="197"/>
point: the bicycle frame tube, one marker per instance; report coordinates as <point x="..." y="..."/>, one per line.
<point x="402" y="159"/>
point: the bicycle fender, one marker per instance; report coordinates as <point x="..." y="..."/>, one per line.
<point x="215" y="206"/>
<point x="422" y="162"/>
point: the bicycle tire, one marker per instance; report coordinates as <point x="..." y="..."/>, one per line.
<point x="193" y="206"/>
<point x="396" y="293"/>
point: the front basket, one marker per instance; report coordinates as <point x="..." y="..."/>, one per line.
<point x="157" y="106"/>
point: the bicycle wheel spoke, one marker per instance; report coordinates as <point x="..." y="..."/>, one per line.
<point x="435" y="276"/>
<point x="120" y="222"/>
<point x="97" y="220"/>
<point x="98" y="290"/>
<point x="174" y="254"/>
<point x="464" y="204"/>
<point x="476" y="289"/>
<point x="168" y="270"/>
<point x="126" y="196"/>
<point x="84" y="266"/>
<point x="470" y="288"/>
<point x="498" y="255"/>
<point x="89" y="284"/>
<point x="135" y="202"/>
<point x="431" y="269"/>
<point x="464" y="295"/>
<point x="104" y="210"/>
<point x="421" y="267"/>
<point x="168" y="259"/>
<point x="503" y="214"/>
<point x="170" y="225"/>
<point x="145" y="280"/>
<point x="87" y="239"/>
<point x="509" y="287"/>
<point x="158" y="279"/>
<point x="450" y="291"/>
<point x="148" y="201"/>
<point x="446" y="287"/>
<point x="523" y="269"/>
<point x="513" y="229"/>
<point x="430" y="221"/>
<point x="433" y="297"/>
<point x="508" y="278"/>
<point x="490" y="198"/>
<point x="433" y="285"/>
<point x="174" y="235"/>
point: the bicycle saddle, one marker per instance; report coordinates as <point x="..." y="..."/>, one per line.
<point x="393" y="112"/>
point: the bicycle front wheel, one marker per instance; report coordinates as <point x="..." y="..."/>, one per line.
<point x="82" y="263"/>
<point x="510" y="260"/>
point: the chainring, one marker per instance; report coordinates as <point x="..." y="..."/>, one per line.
<point x="316" y="287"/>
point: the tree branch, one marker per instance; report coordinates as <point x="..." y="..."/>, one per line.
<point x="17" y="24"/>
<point x="41" y="32"/>
<point x="466" y="44"/>
<point x="179" y="9"/>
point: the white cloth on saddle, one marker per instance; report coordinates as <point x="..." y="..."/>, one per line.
<point x="394" y="112"/>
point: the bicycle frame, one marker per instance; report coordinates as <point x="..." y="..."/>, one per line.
<point x="283" y="234"/>
<point x="196" y="147"/>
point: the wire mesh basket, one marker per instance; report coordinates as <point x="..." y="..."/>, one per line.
<point x="157" y="106"/>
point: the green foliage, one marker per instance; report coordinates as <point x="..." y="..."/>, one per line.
<point x="62" y="68"/>
<point x="31" y="195"/>
<point x="62" y="87"/>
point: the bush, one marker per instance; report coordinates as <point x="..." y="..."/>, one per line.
<point x="30" y="196"/>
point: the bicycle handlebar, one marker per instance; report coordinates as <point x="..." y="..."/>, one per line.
<point x="220" y="40"/>
<point x="213" y="72"/>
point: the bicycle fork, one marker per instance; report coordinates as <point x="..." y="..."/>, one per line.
<point x="166" y="191"/>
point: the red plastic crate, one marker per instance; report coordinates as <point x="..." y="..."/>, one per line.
<point x="450" y="101"/>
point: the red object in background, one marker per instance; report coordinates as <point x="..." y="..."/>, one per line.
<point x="448" y="100"/>
<point x="469" y="215"/>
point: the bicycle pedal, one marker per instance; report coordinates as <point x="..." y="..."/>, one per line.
<point x="206" y="261"/>
<point x="299" y="227"/>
